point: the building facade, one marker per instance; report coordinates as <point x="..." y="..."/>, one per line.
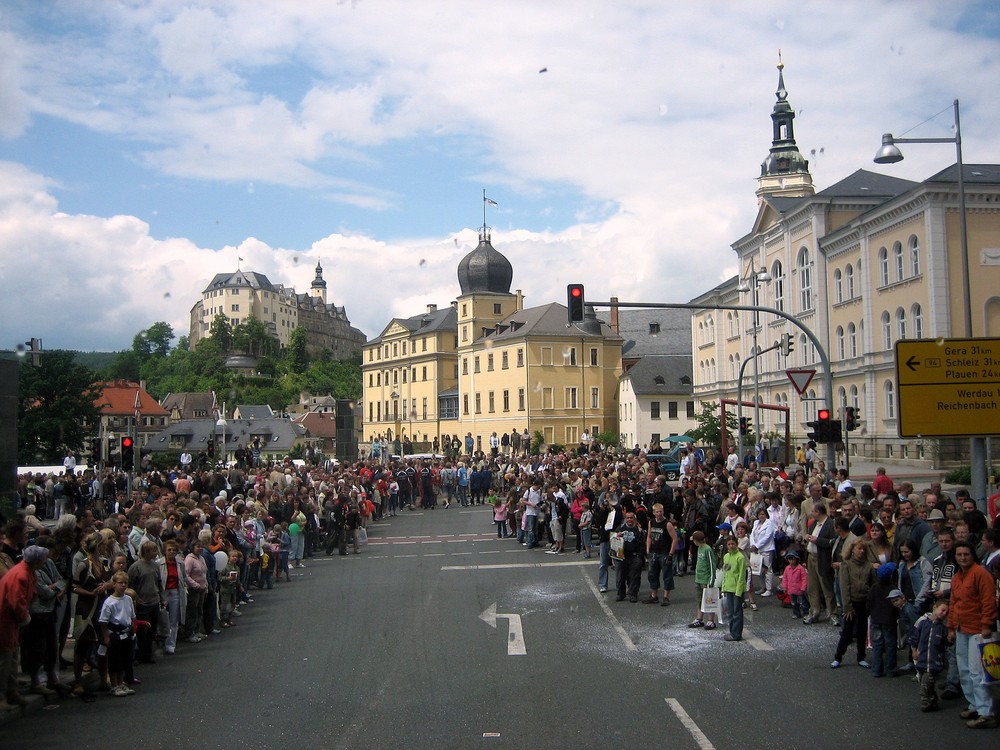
<point x="245" y="294"/>
<point x="864" y="263"/>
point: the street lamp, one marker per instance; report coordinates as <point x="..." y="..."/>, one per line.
<point x="222" y="424"/>
<point x="752" y="282"/>
<point x="890" y="154"/>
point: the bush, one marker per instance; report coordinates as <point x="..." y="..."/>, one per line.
<point x="963" y="475"/>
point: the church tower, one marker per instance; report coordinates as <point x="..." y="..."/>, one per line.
<point x="784" y="173"/>
<point x="318" y="286"/>
<point x="484" y="276"/>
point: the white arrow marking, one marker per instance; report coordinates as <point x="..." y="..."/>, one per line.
<point x="515" y="635"/>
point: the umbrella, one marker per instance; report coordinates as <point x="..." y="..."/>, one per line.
<point x="680" y="439"/>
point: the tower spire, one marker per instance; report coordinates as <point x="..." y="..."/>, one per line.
<point x="784" y="172"/>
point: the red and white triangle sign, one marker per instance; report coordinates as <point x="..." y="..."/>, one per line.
<point x="800" y="379"/>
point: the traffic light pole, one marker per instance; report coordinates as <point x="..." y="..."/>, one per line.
<point x="831" y="450"/>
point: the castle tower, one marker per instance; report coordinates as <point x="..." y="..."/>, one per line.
<point x="785" y="172"/>
<point x="318" y="286"/>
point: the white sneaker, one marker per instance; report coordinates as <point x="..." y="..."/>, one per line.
<point x="767" y="593"/>
<point x="194" y="639"/>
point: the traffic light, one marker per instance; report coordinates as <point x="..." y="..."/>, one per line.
<point x="825" y="430"/>
<point x="744" y="425"/>
<point x="574" y="303"/>
<point x="851" y="418"/>
<point x="786" y="344"/>
<point x="128" y="453"/>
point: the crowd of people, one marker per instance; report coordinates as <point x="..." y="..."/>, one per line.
<point x="177" y="559"/>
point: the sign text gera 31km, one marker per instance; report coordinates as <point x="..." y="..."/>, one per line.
<point x="948" y="387"/>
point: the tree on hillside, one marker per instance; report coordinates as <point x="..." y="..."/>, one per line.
<point x="296" y="356"/>
<point x="54" y="403"/>
<point x="221" y="332"/>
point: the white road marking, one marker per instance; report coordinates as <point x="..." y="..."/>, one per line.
<point x="456" y="554"/>
<point x="515" y="634"/>
<point x="607" y="610"/>
<point x="435" y="554"/>
<point x="502" y="566"/>
<point x="405" y="555"/>
<point x="757" y="643"/>
<point x="699" y="736"/>
<point x="491" y="552"/>
<point x="431" y="541"/>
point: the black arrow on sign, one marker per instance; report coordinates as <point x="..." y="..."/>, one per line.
<point x="912" y="363"/>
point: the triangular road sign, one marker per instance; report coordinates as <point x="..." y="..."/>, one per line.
<point x="800" y="379"/>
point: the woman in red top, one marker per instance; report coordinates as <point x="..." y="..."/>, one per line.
<point x="175" y="588"/>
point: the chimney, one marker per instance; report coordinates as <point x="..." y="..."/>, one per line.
<point x="454" y="304"/>
<point x="614" y="316"/>
<point x="518" y="300"/>
<point x="431" y="308"/>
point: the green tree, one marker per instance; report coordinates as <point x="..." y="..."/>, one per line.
<point x="708" y="431"/>
<point x="221" y="332"/>
<point x="56" y="408"/>
<point x="296" y="356"/>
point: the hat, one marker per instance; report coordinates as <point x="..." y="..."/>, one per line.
<point x="886" y="571"/>
<point x="791" y="554"/>
<point x="724" y="527"/>
<point x="584" y="473"/>
<point x="896" y="594"/>
<point x="935" y="515"/>
<point x="34" y="553"/>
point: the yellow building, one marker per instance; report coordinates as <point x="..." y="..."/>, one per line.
<point x="864" y="263"/>
<point x="496" y="367"/>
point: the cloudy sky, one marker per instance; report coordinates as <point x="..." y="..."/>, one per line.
<point x="146" y="145"/>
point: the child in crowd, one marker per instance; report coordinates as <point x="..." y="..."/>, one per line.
<point x="116" y="617"/>
<point x="794" y="582"/>
<point x="734" y="586"/>
<point x="884" y="615"/>
<point x="284" y="548"/>
<point x="586" y="519"/>
<point x="704" y="577"/>
<point x="929" y="650"/>
<point x="229" y="586"/>
<point x="499" y="515"/>
<point x="743" y="543"/>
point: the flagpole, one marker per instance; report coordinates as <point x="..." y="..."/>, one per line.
<point x="484" y="210"/>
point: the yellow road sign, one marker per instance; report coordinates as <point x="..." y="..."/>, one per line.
<point x="948" y="387"/>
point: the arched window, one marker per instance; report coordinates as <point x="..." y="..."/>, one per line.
<point x="713" y="371"/>
<point x="729" y="325"/>
<point x="914" y="245"/>
<point x="804" y="349"/>
<point x="840" y="343"/>
<point x="732" y="369"/>
<point x="918" y="320"/>
<point x="889" y="399"/>
<point x="805" y="280"/>
<point x="883" y="267"/>
<point x="850" y="281"/>
<point x="901" y="322"/>
<point x="701" y="332"/>
<point x="736" y="363"/>
<point x="778" y="285"/>
<point x="853" y="398"/>
<point x="852" y="340"/>
<point x="711" y="330"/>
<point x="897" y="255"/>
<point x="838" y="286"/>
<point x="842" y="397"/>
<point x="886" y="331"/>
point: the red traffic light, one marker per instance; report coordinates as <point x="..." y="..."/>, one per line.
<point x="576" y="291"/>
<point x="823" y="414"/>
<point x="127" y="442"/>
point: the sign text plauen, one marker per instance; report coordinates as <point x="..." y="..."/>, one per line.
<point x="948" y="387"/>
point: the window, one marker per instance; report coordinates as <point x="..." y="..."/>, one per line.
<point x="423" y="372"/>
<point x="425" y="408"/>
<point x="841" y="351"/>
<point x="569" y="356"/>
<point x="901" y="322"/>
<point x="465" y="333"/>
<point x="404" y="348"/>
<point x="690" y="409"/>
<point x="883" y="267"/>
<point x="918" y="321"/>
<point x="889" y="399"/>
<point x="423" y="344"/>
<point x="395" y="377"/>
<point x="547" y="398"/>
<point x="838" y="286"/>
<point x="235" y="308"/>
<point x="654" y="409"/>
<point x="395" y="350"/>
<point x="852" y="340"/>
<point x="506" y="400"/>
<point x="849" y="275"/>
<point x="497" y="310"/>
<point x="886" y="331"/>
<point x="546" y="355"/>
<point x="475" y="363"/>
<point x="520" y="357"/>
<point x="654" y="328"/>
<point x="504" y="360"/>
<point x="489" y="362"/>
<point x="672" y="410"/>
<point x="465" y="310"/>
<point x="914" y="245"/>
<point x="571" y="398"/>
<point x="405" y="371"/>
<point x="465" y="403"/>
<point x="413" y="375"/>
<point x="710" y="329"/>
<point x="465" y="365"/>
<point x="593" y="356"/>
<point x="491" y="402"/>
<point x="572" y="435"/>
<point x="805" y="280"/>
<point x="595" y="398"/>
<point x="520" y="399"/>
<point x="897" y="255"/>
<point x="479" y="403"/>
<point x="777" y="286"/>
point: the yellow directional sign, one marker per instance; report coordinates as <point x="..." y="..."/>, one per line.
<point x="948" y="387"/>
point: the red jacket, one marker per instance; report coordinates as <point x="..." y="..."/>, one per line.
<point x="973" y="601"/>
<point x="17" y="589"/>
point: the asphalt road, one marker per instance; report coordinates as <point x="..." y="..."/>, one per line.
<point x="393" y="648"/>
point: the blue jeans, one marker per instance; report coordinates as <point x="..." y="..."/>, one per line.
<point x="970" y="672"/>
<point x="501" y="529"/>
<point x="529" y="533"/>
<point x="585" y="537"/>
<point x="734" y="605"/>
<point x="883" y="650"/>
<point x="602" y="571"/>
<point x="661" y="564"/>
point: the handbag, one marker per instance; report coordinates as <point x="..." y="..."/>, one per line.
<point x="711" y="602"/>
<point x="362" y="537"/>
<point x="617" y="546"/>
<point x="756" y="563"/>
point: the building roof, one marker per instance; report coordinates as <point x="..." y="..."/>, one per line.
<point x="277" y="434"/>
<point x="189" y="403"/>
<point x="671" y="334"/>
<point x="974" y="174"/>
<point x="253" y="412"/>
<point x="250" y="279"/>
<point x="445" y="318"/>
<point x="546" y="320"/>
<point x="865" y="184"/>
<point x="124" y="398"/>
<point x="662" y="375"/>
<point x="485" y="269"/>
<point x="319" y="424"/>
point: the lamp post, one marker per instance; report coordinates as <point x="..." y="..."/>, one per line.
<point x="751" y="282"/>
<point x="890" y="154"/>
<point x="222" y="424"/>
